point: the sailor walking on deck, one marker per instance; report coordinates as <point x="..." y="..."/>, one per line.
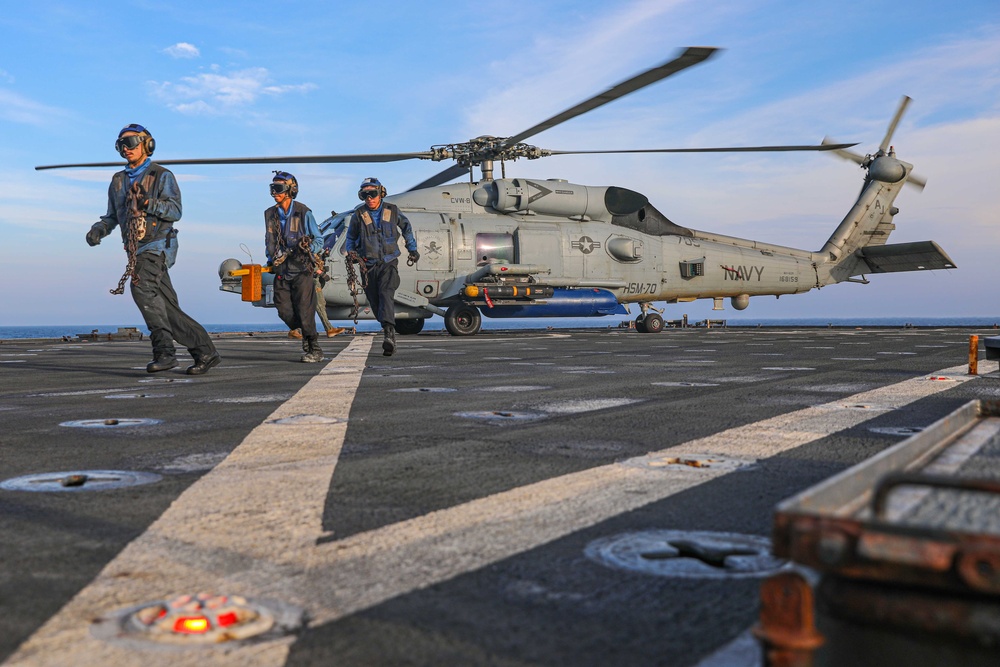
<point x="145" y="202"/>
<point x="292" y="241"/>
<point x="373" y="237"/>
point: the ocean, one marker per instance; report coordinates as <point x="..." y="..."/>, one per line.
<point x="437" y="324"/>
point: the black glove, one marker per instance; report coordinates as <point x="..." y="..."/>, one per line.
<point x="96" y="233"/>
<point x="413" y="257"/>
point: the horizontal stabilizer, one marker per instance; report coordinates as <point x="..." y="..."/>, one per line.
<point x="917" y="256"/>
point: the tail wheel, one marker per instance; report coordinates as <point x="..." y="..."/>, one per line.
<point x="652" y="323"/>
<point x="463" y="320"/>
<point x="410" y="327"/>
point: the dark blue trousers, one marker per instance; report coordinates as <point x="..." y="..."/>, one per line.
<point x="157" y="301"/>
<point x="295" y="299"/>
<point x="383" y="279"/>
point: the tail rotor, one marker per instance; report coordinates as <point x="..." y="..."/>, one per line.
<point x="885" y="148"/>
<point x="903" y="103"/>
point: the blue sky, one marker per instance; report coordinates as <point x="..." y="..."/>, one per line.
<point x="254" y="78"/>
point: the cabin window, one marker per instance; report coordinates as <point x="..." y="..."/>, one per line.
<point x="493" y="247"/>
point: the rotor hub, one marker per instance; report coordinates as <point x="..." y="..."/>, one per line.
<point x="486" y="148"/>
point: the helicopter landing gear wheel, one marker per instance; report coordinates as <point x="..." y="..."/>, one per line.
<point x="463" y="320"/>
<point x="640" y="324"/>
<point x="652" y="323"/>
<point x="410" y="327"/>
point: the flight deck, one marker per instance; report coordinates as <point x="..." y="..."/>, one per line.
<point x="540" y="497"/>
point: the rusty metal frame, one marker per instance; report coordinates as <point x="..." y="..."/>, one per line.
<point x="839" y="526"/>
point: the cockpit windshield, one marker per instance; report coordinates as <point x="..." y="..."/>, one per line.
<point x="333" y="228"/>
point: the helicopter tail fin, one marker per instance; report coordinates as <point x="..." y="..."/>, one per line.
<point x="859" y="244"/>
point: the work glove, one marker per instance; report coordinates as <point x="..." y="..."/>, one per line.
<point x="413" y="257"/>
<point x="352" y="257"/>
<point x="96" y="233"/>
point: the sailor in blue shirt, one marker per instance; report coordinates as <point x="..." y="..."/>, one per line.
<point x="373" y="237"/>
<point x="145" y="202"/>
<point x="292" y="241"/>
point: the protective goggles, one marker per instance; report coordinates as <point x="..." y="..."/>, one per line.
<point x="280" y="188"/>
<point x="129" y="142"/>
<point x="369" y="194"/>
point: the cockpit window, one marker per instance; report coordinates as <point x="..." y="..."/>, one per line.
<point x="337" y="221"/>
<point x="650" y="221"/>
<point x="333" y="228"/>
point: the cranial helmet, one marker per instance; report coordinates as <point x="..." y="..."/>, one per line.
<point x="148" y="141"/>
<point x="371" y="182"/>
<point x="289" y="180"/>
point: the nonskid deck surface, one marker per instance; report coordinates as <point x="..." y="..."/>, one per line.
<point x="466" y="501"/>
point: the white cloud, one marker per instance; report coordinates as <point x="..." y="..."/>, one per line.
<point x="182" y="50"/>
<point x="6" y="77"/>
<point x="218" y="93"/>
<point x="19" y="109"/>
<point x="594" y="53"/>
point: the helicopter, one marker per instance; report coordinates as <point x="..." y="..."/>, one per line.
<point x="525" y="247"/>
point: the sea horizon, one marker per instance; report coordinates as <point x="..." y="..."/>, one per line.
<point x="437" y="324"/>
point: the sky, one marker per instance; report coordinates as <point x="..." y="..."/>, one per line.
<point x="249" y="78"/>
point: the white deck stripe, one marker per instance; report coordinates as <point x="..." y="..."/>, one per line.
<point x="264" y="544"/>
<point x="243" y="528"/>
<point x="366" y="569"/>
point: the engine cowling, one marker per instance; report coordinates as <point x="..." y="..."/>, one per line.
<point x="558" y="198"/>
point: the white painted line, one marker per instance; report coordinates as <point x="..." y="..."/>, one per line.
<point x="250" y="526"/>
<point x="244" y="528"/>
<point x="367" y="569"/>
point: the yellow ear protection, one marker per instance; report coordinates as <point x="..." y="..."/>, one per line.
<point x="148" y="141"/>
<point x="293" y="185"/>
<point x="371" y="182"/>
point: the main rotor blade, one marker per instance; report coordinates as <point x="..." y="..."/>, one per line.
<point x="448" y="174"/>
<point x="288" y="159"/>
<point x="729" y="149"/>
<point x="690" y="56"/>
<point x="847" y="155"/>
<point x="903" y="103"/>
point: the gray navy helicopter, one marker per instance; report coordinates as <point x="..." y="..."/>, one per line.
<point x="522" y="247"/>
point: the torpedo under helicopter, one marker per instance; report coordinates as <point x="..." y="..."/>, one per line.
<point x="516" y="247"/>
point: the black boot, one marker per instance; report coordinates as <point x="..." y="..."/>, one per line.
<point x="388" y="340"/>
<point x="202" y="365"/>
<point x="312" y="352"/>
<point x="161" y="364"/>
